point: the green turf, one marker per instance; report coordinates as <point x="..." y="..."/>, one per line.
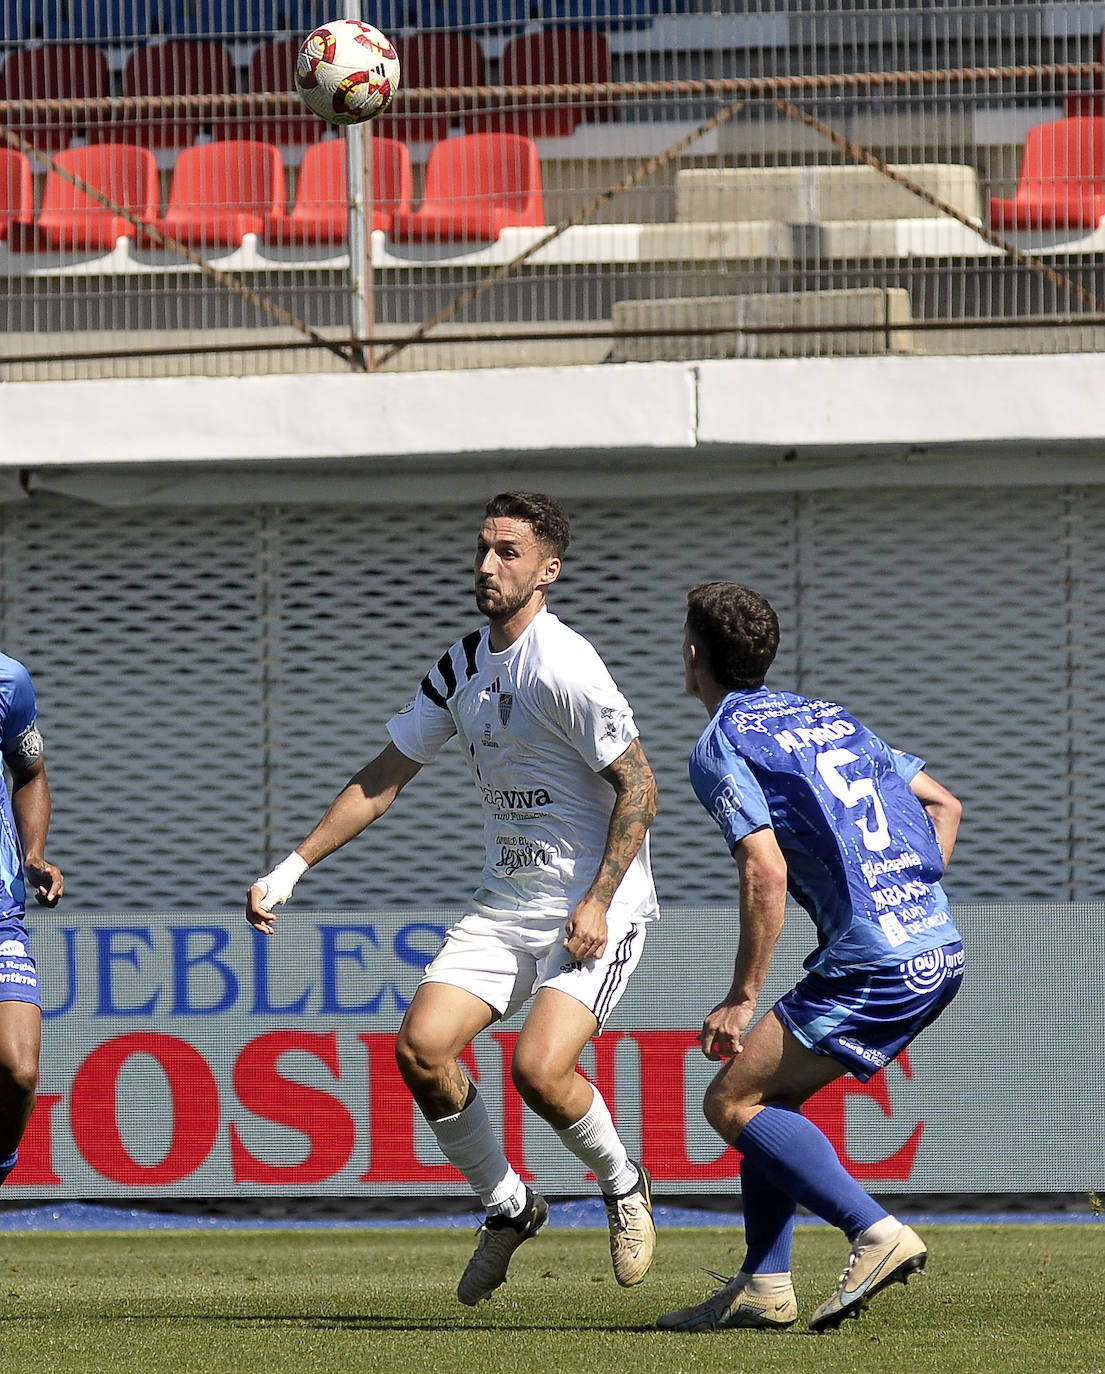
<point x="1002" y="1299"/>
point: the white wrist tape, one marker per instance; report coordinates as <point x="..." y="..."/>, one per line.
<point x="277" y="886"/>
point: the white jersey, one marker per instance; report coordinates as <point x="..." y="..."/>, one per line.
<point x="538" y="721"/>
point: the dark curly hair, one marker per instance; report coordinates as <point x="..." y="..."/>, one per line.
<point x="737" y="629"/>
<point x="545" y="517"/>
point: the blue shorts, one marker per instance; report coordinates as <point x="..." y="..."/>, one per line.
<point x="866" y="1018"/>
<point x="18" y="974"/>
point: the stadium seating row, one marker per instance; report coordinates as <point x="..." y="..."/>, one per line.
<point x="480" y="183"/>
<point x="118" y="22"/>
<point x="475" y="185"/>
<point x="191" y="67"/>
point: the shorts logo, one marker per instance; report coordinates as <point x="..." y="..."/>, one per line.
<point x="925" y="972"/>
<point x="865" y="1052"/>
<point x="506" y="705"/>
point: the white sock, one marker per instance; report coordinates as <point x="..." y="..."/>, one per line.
<point x="879" y="1233"/>
<point x="468" y="1142"/>
<point x="765" y="1284"/>
<point x="594" y="1140"/>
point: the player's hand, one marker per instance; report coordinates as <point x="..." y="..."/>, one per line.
<point x="47" y="881"/>
<point x="273" y="889"/>
<point x="260" y="916"/>
<point x="720" y="1036"/>
<point x="585" y="932"/>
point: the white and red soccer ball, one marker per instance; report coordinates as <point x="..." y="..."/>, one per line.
<point x="347" y="71"/>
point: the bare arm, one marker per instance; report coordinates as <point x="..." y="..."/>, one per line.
<point x="364" y="799"/>
<point x="763" y="895"/>
<point x="944" y="810"/>
<point x="30" y="797"/>
<point x="634" y="810"/>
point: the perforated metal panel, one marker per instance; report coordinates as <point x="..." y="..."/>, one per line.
<point x="1085" y="572"/>
<point x="208" y="678"/>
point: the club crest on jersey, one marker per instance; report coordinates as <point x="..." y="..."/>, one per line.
<point x="506" y="705"/>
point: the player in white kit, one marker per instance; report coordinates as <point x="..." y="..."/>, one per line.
<point x="565" y="894"/>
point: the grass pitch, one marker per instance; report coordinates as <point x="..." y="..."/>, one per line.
<point x="1008" y="1299"/>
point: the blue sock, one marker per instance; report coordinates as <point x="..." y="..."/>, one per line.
<point x="7" y="1165"/>
<point x="799" y="1160"/>
<point x="768" y="1223"/>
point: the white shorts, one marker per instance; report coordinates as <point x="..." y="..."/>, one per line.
<point x="504" y="962"/>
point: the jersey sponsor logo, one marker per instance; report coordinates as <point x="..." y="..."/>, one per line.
<point x="516" y="799"/>
<point x="813" y="737"/>
<point x="893" y="929"/>
<point x="726" y="799"/>
<point x="899" y="894"/>
<point x="925" y="972"/>
<point x="754" y="718"/>
<point x="23" y="979"/>
<point x="514" y="857"/>
<point x="13" y="948"/>
<point x="878" y="868"/>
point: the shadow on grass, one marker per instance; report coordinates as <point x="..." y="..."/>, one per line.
<point x="372" y="1322"/>
<point x="346" y="1322"/>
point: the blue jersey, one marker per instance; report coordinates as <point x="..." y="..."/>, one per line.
<point x="18" y="710"/>
<point x="862" y="855"/>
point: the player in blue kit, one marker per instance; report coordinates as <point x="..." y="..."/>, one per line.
<point x="811" y="802"/>
<point x="24" y="821"/>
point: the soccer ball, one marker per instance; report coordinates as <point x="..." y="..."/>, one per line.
<point x="347" y="71"/>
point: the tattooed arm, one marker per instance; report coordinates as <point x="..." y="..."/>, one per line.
<point x="634" y="809"/>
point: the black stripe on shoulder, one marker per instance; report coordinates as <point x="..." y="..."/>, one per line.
<point x="470" y="643"/>
<point x="431" y="693"/>
<point x="448" y="673"/>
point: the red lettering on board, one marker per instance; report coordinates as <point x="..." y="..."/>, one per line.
<point x="195" y="1119"/>
<point x="264" y="1091"/>
<point x="36" y="1150"/>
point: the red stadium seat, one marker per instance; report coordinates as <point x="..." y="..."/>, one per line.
<point x="179" y="67"/>
<point x="272" y="71"/>
<point x="1062" y="178"/>
<point x="428" y="60"/>
<point x="321" y="210"/>
<point x="17" y="200"/>
<point x="71" y="218"/>
<point x="222" y="191"/>
<point x="552" y="57"/>
<point x="56" y="71"/>
<point x="476" y="185"/>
